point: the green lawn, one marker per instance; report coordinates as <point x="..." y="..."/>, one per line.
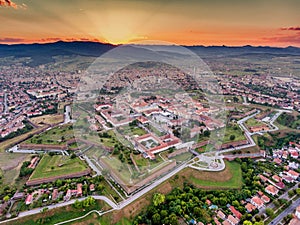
<point x="233" y="130"/>
<point x="129" y="130"/>
<point x="234" y="171"/>
<point x="57" y="165"/>
<point x="57" y="135"/>
<point x="119" y="168"/>
<point x="253" y="122"/>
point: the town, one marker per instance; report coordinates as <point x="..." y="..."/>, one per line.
<point x="238" y="160"/>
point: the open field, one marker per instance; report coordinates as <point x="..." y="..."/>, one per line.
<point x="253" y="122"/>
<point x="230" y="178"/>
<point x="57" y="135"/>
<point x="128" y="130"/>
<point x="236" y="131"/>
<point x="48" y="119"/>
<point x="57" y="165"/>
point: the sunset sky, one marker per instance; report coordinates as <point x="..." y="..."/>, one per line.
<point x="202" y="22"/>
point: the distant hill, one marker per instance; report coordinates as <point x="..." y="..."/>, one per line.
<point x="43" y="53"/>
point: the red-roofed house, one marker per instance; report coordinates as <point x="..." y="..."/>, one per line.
<point x="29" y="199"/>
<point x="79" y="189"/>
<point x="270" y="189"/>
<point x="265" y="198"/>
<point x="256" y="201"/>
<point x="276" y="178"/>
<point x="232" y="220"/>
<point x="235" y="212"/>
<point x="249" y="207"/>
<point x="293" y="174"/>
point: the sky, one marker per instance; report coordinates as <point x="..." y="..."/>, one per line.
<point x="190" y="22"/>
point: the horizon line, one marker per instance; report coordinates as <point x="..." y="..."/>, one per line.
<point x="107" y="43"/>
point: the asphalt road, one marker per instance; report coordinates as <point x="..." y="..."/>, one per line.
<point x="287" y="211"/>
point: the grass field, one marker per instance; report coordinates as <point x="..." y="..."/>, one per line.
<point x="128" y="130"/>
<point x="57" y="135"/>
<point x="230" y="178"/>
<point x="57" y="165"/>
<point x="119" y="168"/>
<point x="236" y="131"/>
<point x="253" y="122"/>
<point x="48" y="119"/>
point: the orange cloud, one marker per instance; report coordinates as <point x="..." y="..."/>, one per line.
<point x="9" y="3"/>
<point x="291" y="28"/>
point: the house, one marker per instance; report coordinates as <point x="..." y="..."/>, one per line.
<point x="29" y="199"/>
<point x="208" y="202"/>
<point x="54" y="194"/>
<point x="294" y="155"/>
<point x="297" y="213"/>
<point x="249" y="207"/>
<point x="293" y="174"/>
<point x="217" y="222"/>
<point x="288" y="179"/>
<point x="277" y="161"/>
<point x="260" y="193"/>
<point x="280" y="185"/>
<point x="92" y="187"/>
<point x="232" y="220"/>
<point x="18" y="195"/>
<point x="257" y="202"/>
<point x="235" y="212"/>
<point x="68" y="195"/>
<point x="79" y="190"/>
<point x="226" y="222"/>
<point x="263" y="178"/>
<point x="265" y="198"/>
<point x="221" y="215"/>
<point x="276" y="178"/>
<point x="270" y="189"/>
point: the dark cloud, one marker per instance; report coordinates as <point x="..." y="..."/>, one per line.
<point x="11" y="40"/>
<point x="291" y="28"/>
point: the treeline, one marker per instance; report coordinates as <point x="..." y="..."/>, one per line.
<point x="25" y="171"/>
<point x="190" y="203"/>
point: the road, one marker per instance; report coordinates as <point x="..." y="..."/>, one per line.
<point x="38" y="210"/>
<point x="285" y="212"/>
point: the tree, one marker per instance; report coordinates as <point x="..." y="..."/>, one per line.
<point x="206" y="133"/>
<point x="247" y="222"/>
<point x="6" y="198"/>
<point x="269" y="212"/>
<point x="156" y="218"/>
<point x="77" y="204"/>
<point x="291" y="193"/>
<point x="158" y="199"/>
<point x="232" y="137"/>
